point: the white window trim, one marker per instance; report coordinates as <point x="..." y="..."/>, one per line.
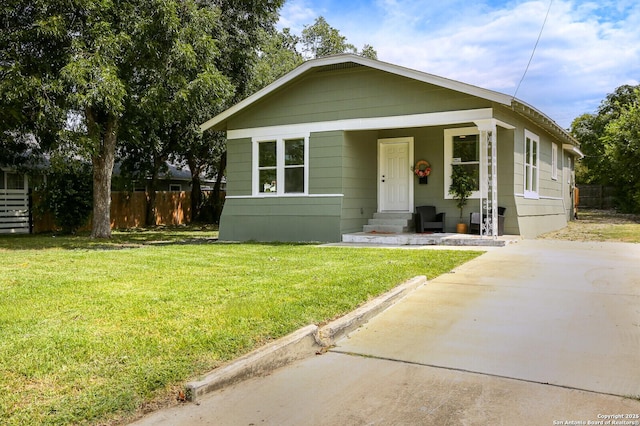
<point x="535" y="138"/>
<point x="448" y="157"/>
<point x="554" y="161"/>
<point x="280" y="166"/>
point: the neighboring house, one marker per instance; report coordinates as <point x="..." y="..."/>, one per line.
<point x="14" y="202"/>
<point x="315" y="154"/>
<point x="173" y="179"/>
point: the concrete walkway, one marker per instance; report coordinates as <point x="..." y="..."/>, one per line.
<point x="533" y="333"/>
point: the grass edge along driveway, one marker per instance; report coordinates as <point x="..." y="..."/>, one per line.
<point x="96" y="334"/>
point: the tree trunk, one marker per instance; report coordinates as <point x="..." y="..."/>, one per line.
<point x="150" y="219"/>
<point x="217" y="202"/>
<point x="196" y="198"/>
<point x="103" y="133"/>
<point x="196" y="187"/>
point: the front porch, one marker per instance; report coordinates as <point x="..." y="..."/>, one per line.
<point x="426" y="239"/>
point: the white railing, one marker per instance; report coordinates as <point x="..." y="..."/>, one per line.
<point x="14" y="211"/>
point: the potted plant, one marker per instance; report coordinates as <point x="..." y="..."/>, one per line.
<point x="462" y="186"/>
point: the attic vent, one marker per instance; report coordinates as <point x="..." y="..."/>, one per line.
<point x="340" y="66"/>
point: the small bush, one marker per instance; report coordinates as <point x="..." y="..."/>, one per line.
<point x="68" y="194"/>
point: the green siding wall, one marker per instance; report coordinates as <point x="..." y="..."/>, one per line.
<point x="325" y="162"/>
<point x="548" y="213"/>
<point x="351" y="93"/>
<point x="239" y="165"/>
<point x="505" y="181"/>
<point x="359" y="171"/>
<point x="304" y="218"/>
<point x="281" y="219"/>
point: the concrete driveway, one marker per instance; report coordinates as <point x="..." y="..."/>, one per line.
<point x="534" y="333"/>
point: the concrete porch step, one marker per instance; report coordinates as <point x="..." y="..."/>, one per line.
<point x="386" y="221"/>
<point x="385" y="215"/>
<point x="394" y="239"/>
<point x="390" y="223"/>
<point x="388" y="229"/>
<point x="442" y="239"/>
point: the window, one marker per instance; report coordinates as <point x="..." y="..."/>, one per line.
<point x="531" y="143"/>
<point x="267" y="167"/>
<point x="10" y="180"/>
<point x="281" y="166"/>
<point x="175" y="187"/>
<point x="294" y="166"/>
<point x="462" y="149"/>
<point x="554" y="161"/>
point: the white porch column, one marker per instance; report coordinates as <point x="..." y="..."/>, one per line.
<point x="488" y="177"/>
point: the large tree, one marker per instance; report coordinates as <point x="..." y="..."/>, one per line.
<point x="611" y="144"/>
<point x="178" y="84"/>
<point x="622" y="151"/>
<point x="242" y="22"/>
<point x="99" y="66"/>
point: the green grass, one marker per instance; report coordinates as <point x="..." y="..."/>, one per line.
<point x="93" y="332"/>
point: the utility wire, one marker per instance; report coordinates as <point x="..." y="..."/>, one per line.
<point x="534" y="51"/>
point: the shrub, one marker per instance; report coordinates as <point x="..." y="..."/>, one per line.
<point x="68" y="194"/>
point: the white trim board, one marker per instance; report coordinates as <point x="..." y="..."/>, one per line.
<point x="240" y="197"/>
<point x="374" y="123"/>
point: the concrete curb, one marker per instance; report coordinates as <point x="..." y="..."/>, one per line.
<point x="328" y="334"/>
<point x="300" y="344"/>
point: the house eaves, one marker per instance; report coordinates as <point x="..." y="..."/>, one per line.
<point x="343" y="60"/>
<point x="569" y="143"/>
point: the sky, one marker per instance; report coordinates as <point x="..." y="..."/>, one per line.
<point x="587" y="48"/>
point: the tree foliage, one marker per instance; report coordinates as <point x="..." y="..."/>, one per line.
<point x="278" y="54"/>
<point x="610" y="140"/>
<point x="321" y="39"/>
<point x="134" y="79"/>
<point x="149" y="70"/>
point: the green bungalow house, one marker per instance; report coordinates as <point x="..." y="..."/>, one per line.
<point x="321" y="151"/>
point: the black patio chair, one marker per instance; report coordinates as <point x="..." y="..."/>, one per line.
<point x="427" y="219"/>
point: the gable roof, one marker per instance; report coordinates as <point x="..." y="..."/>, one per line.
<point x="345" y="60"/>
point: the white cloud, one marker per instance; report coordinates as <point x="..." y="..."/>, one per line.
<point x="295" y="14"/>
<point x="587" y="48"/>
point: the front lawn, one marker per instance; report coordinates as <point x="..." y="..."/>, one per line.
<point x="600" y="225"/>
<point x="95" y="332"/>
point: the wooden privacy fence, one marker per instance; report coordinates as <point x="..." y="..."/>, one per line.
<point x="596" y="196"/>
<point x="129" y="210"/>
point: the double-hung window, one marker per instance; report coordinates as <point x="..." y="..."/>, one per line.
<point x="462" y="150"/>
<point x="531" y="178"/>
<point x="281" y="166"/>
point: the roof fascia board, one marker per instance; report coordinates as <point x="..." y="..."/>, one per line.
<point x="542" y="120"/>
<point x="572" y="149"/>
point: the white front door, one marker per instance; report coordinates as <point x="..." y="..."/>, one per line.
<point x="395" y="179"/>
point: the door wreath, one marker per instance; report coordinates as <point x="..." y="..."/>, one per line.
<point x="422" y="168"/>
